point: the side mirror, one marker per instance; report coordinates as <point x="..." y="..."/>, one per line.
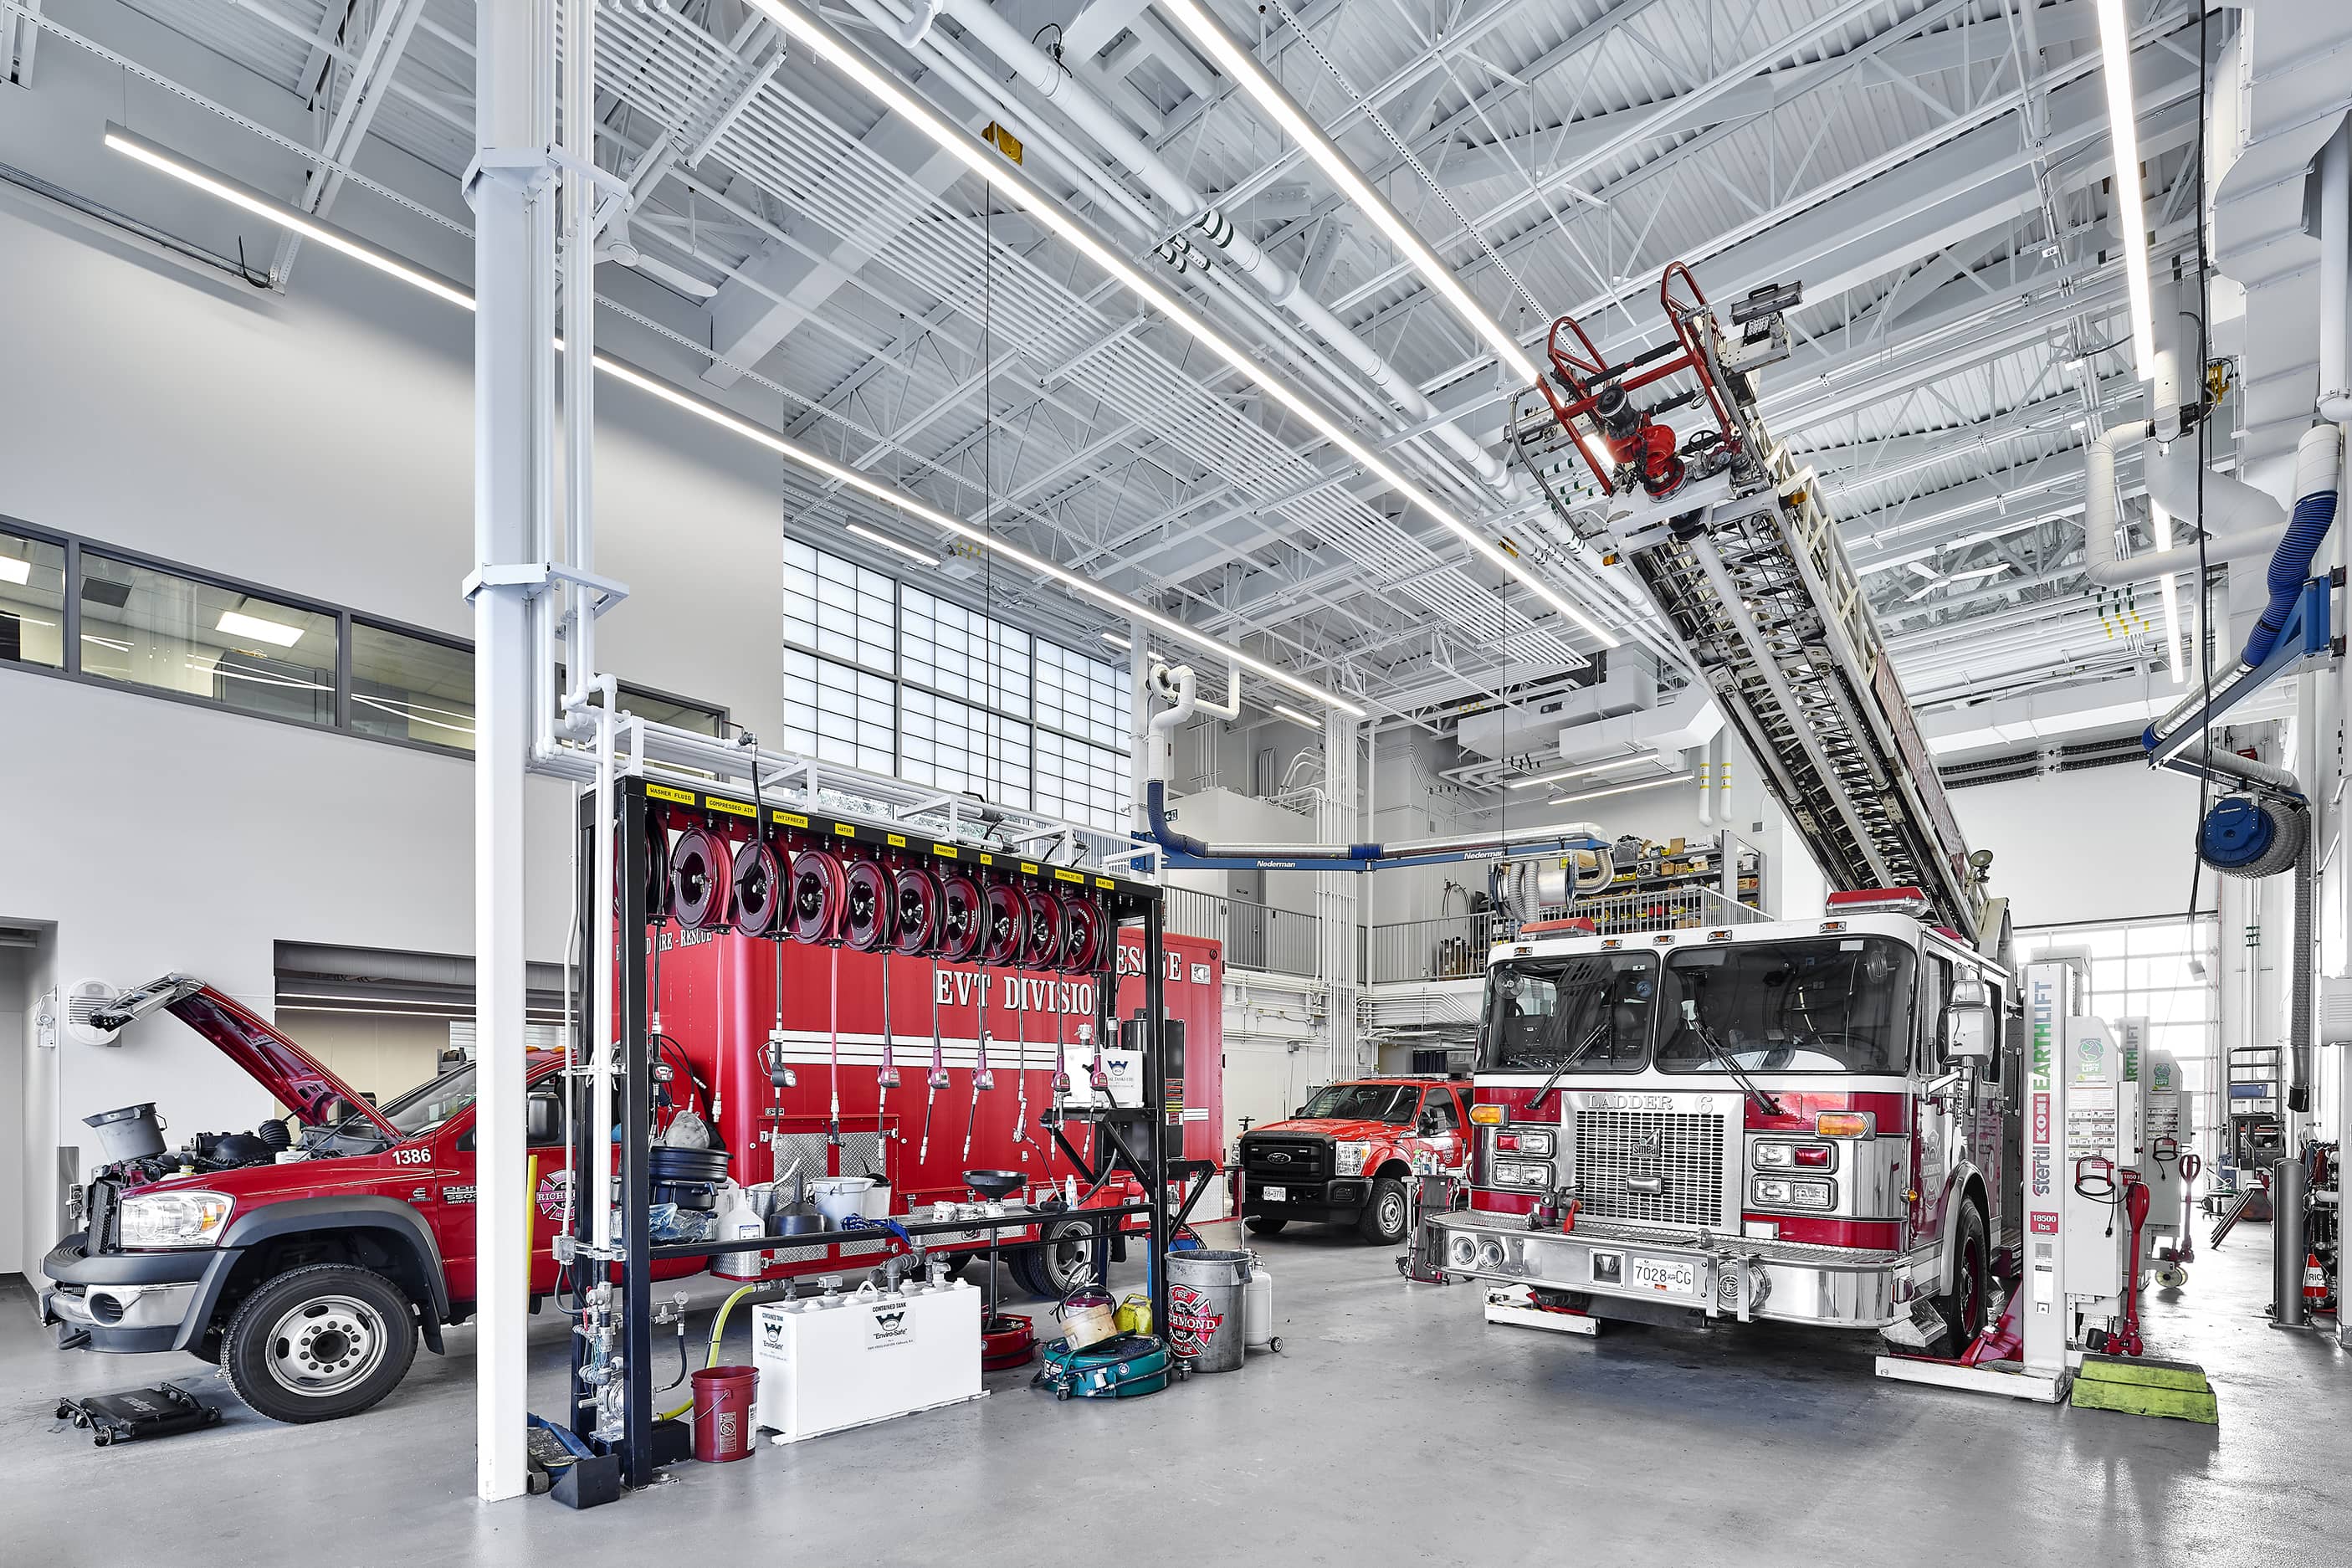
<point x="1968" y="1033"/>
<point x="540" y="1119"/>
<point x="1429" y="1128"/>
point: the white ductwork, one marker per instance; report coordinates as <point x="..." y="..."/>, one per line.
<point x="2335" y="176"/>
<point x="1217" y="235"/>
<point x="2239" y="520"/>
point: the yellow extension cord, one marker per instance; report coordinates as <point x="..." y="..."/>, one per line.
<point x="717" y="1327"/>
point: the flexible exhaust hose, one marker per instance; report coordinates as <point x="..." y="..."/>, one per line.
<point x="2315" y="481"/>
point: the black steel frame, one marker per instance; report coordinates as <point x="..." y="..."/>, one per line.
<point x="636" y="800"/>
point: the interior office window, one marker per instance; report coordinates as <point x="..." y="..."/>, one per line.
<point x="1079" y="783"/>
<point x="963" y="654"/>
<point x="411" y="689"/>
<point x="955" y="746"/>
<point x="158" y="630"/>
<point x="837" y="607"/>
<point x="676" y="711"/>
<point x="837" y="713"/>
<point x="32" y="601"/>
<point x="1082" y="697"/>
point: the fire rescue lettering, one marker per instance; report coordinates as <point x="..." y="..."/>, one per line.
<point x="1191" y="1323"/>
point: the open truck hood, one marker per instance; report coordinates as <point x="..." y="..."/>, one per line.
<point x="269" y="1057"/>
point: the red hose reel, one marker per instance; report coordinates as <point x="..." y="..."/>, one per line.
<point x="701" y="878"/>
<point x="1042" y="934"/>
<point x="820" y="894"/>
<point x="1004" y="926"/>
<point x="960" y="919"/>
<point x="918" y="894"/>
<point x="1083" y="929"/>
<point x="868" y="917"/>
<point x="759" y="889"/>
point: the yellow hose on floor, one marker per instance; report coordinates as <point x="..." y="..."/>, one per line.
<point x="717" y="1327"/>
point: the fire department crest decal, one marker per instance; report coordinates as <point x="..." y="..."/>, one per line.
<point x="1192" y="1323"/>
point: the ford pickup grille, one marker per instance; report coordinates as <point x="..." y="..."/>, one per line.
<point x="1652" y="1167"/>
<point x="1278" y="1160"/>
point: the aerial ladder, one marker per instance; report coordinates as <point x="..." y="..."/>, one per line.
<point x="1732" y="542"/>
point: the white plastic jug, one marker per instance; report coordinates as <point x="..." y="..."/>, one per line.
<point x="738" y="1219"/>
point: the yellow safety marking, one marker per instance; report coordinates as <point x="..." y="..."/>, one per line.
<point x="663" y="792"/>
<point x="740" y="808"/>
<point x="790" y="818"/>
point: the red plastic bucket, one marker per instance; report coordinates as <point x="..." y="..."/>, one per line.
<point x="722" y="1412"/>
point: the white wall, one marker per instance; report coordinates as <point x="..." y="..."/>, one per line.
<point x="16" y="1010"/>
<point x="2104" y="843"/>
<point x="318" y="442"/>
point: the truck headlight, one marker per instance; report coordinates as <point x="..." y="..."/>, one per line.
<point x="1350" y="1159"/>
<point x="1775" y="1192"/>
<point x="174" y="1219"/>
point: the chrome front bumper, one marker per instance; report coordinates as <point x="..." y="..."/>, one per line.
<point x="1733" y="1277"/>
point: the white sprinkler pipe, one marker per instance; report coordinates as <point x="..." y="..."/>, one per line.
<point x="1045" y="75"/>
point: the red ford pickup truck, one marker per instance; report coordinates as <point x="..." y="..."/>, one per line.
<point x="307" y="1264"/>
<point x="1345" y="1157"/>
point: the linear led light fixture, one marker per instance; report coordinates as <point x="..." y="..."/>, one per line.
<point x="278" y="634"/>
<point x="1559" y="774"/>
<point x="982" y="159"/>
<point x="2122" y="136"/>
<point x="1296" y="717"/>
<point x="1242" y="67"/>
<point x="278" y="213"/>
<point x="1115" y="640"/>
<point x="1618" y="789"/>
<point x="14" y="569"/>
<point x="875" y="536"/>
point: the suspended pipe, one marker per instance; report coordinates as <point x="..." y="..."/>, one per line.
<point x="1045" y="75"/>
<point x="2317" y="463"/>
<point x="2335" y="277"/>
<point x="2239" y="520"/>
<point x="1180" y="687"/>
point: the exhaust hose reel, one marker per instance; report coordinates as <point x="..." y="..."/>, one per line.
<point x="2247" y="836"/>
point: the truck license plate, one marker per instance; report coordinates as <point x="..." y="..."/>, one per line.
<point x="1665" y="1275"/>
<point x="1273" y="1195"/>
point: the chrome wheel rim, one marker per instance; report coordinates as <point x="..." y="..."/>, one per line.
<point x="326" y="1345"/>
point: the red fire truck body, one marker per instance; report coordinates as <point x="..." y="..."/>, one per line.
<point x="718" y="994"/>
<point x="1763" y="1121"/>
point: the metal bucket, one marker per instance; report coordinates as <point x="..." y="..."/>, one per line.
<point x="1205" y="1309"/>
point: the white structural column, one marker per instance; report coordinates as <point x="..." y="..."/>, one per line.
<point x="513" y="380"/>
<point x="1339" y="816"/>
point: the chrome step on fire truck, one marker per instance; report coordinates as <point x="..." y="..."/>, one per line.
<point x="1809" y="1120"/>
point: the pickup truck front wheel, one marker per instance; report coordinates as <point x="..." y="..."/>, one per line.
<point x="1384" y="1213"/>
<point x="319" y="1343"/>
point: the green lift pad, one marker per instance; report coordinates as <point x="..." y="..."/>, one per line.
<point x="2143" y="1387"/>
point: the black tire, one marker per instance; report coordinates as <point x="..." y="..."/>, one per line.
<point x="1385" y="1213"/>
<point x="319" y="1343"/>
<point x="1965" y="1308"/>
<point x="1268" y="1224"/>
<point x="1065" y="1253"/>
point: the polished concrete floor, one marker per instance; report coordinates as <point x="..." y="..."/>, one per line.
<point x="1393" y="1427"/>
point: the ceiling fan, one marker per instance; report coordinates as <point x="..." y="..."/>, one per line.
<point x="619" y="245"/>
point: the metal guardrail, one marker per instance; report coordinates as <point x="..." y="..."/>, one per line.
<point x="1450" y="947"/>
<point x="1454" y="947"/>
<point x="1254" y="936"/>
